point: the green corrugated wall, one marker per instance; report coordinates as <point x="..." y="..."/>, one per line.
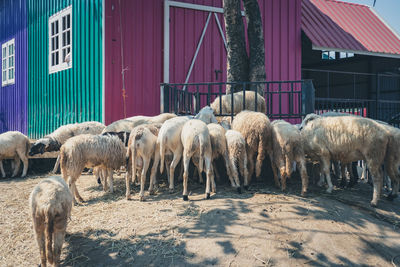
<point x="72" y="95"/>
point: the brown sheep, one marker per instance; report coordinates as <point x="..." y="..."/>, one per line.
<point x="257" y="132"/>
<point x="51" y="204"/>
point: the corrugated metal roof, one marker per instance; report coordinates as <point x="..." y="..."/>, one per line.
<point x="340" y="26"/>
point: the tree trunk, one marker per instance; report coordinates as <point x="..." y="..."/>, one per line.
<point x="256" y="44"/>
<point x="237" y="60"/>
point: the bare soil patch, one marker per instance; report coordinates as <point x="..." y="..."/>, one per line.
<point x="260" y="227"/>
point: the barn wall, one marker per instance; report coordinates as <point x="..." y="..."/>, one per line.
<point x="13" y="98"/>
<point x="72" y="95"/>
<point x="142" y="33"/>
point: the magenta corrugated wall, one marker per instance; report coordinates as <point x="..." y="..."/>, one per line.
<point x="142" y="34"/>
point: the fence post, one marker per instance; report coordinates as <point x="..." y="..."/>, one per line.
<point x="165" y="101"/>
<point x="307" y="97"/>
<point x="377" y="115"/>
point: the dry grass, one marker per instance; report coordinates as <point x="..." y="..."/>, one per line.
<point x="259" y="227"/>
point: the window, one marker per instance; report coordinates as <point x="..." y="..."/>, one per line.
<point x="328" y="55"/>
<point x="60" y="40"/>
<point x="346" y="55"/>
<point x="331" y="55"/>
<point x="7" y="63"/>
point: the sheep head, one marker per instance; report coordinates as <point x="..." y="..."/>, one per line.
<point x="44" y="145"/>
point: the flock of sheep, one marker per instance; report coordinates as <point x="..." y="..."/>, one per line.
<point x="166" y="139"/>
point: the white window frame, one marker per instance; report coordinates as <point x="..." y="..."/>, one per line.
<point x="7" y="58"/>
<point x="57" y="19"/>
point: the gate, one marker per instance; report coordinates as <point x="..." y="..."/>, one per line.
<point x="284" y="99"/>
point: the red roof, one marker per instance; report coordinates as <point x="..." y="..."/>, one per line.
<point x="340" y="26"/>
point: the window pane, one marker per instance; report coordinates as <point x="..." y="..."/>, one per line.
<point x="56" y="55"/>
<point x="56" y="41"/>
<point x="332" y="55"/>
<point x="11" y="74"/>
<point x="56" y="27"/>
<point x="68" y="21"/>
<point x="4" y="64"/>
<point x="350" y="54"/>
<point x="52" y="44"/>
<point x="68" y="37"/>
<point x="52" y="59"/>
<point x="4" y="52"/>
<point x="11" y="49"/>
<point x="64" y="23"/>
<point x="11" y="62"/>
<point x="63" y="55"/>
<point x="52" y="29"/>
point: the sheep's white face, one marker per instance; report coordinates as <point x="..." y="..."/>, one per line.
<point x="307" y="119"/>
<point x="206" y="114"/>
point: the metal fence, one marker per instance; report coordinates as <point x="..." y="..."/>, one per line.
<point x="284" y="99"/>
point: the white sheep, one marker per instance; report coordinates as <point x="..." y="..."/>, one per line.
<point x="107" y="152"/>
<point x="127" y="125"/>
<point x="196" y="143"/>
<point x="347" y="139"/>
<point x="143" y="147"/>
<point x="56" y="139"/>
<point x="51" y="204"/>
<point x="288" y="148"/>
<point x="219" y="148"/>
<point x="169" y="141"/>
<point x="226" y="101"/>
<point x="257" y="131"/>
<point x="237" y="154"/>
<point x="14" y="145"/>
<point x="206" y="114"/>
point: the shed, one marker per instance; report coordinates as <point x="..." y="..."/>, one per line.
<point x="13" y="66"/>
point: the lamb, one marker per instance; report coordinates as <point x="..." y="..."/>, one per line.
<point x="51" y="204"/>
<point x="347" y="139"/>
<point x="257" y="132"/>
<point x="196" y="142"/>
<point x="144" y="146"/>
<point x="219" y="148"/>
<point x="107" y="152"/>
<point x="169" y="141"/>
<point x="288" y="147"/>
<point x="237" y="154"/>
<point x="56" y="139"/>
<point x="127" y="125"/>
<point x="222" y="105"/>
<point x="14" y="145"/>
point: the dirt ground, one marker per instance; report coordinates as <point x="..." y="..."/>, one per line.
<point x="261" y="227"/>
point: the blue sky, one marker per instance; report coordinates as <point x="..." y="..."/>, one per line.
<point x="389" y="10"/>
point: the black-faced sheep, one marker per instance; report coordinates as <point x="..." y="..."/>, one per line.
<point x="14" y="145"/>
<point x="257" y="132"/>
<point x="50" y="203"/>
<point x="196" y="143"/>
<point x="107" y="152"/>
<point x="226" y="100"/>
<point x="56" y="139"/>
<point x="288" y="148"/>
<point x="347" y="139"/>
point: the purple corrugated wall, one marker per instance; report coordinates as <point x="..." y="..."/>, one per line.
<point x="142" y="25"/>
<point x="13" y="98"/>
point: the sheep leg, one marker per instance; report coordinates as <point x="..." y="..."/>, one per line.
<point x="110" y="176"/>
<point x="394" y="176"/>
<point x="25" y="161"/>
<point x="186" y="161"/>
<point x="17" y="164"/>
<point x="146" y="163"/>
<point x="250" y="163"/>
<point x="40" y="238"/>
<point x="153" y="180"/>
<point x="55" y="169"/>
<point x="233" y="176"/>
<point x="75" y="191"/>
<point x="243" y="168"/>
<point x="275" y="172"/>
<point x="175" y="161"/>
<point x="364" y="170"/>
<point x="217" y="173"/>
<point x="377" y="176"/>
<point x="325" y="167"/>
<point x="58" y="242"/>
<point x="353" y="174"/>
<point x="343" y="173"/>
<point x="304" y="176"/>
<point x="210" y="177"/>
<point x="3" y="174"/>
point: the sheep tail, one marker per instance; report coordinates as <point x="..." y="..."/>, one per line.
<point x="133" y="154"/>
<point x="162" y="154"/>
<point x="63" y="164"/>
<point x="28" y="147"/>
<point x="260" y="154"/>
<point x="49" y="228"/>
<point x="201" y="158"/>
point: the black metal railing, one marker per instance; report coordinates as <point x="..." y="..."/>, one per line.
<point x="284" y="99"/>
